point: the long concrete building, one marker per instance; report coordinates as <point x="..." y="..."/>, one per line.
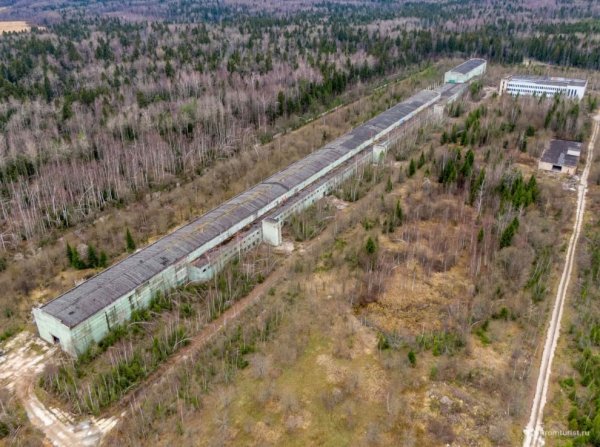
<point x="196" y="251"/>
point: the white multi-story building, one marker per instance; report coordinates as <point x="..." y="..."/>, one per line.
<point x="542" y="85"/>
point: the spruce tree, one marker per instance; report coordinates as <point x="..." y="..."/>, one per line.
<point x="388" y="185"/>
<point x="70" y="254"/>
<point x="103" y="260"/>
<point x="371" y="246"/>
<point x="399" y="213"/>
<point x="412" y="168"/>
<point x="421" y="161"/>
<point x="509" y="232"/>
<point x="92" y="257"/>
<point x="412" y="358"/>
<point x="75" y="261"/>
<point x="129" y="241"/>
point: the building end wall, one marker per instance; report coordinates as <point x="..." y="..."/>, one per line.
<point x="271" y="232"/>
<point x="53" y="331"/>
<point x="545" y="166"/>
<point x="379" y="151"/>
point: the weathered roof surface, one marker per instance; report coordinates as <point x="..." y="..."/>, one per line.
<point x="467" y="66"/>
<point x="562" y="153"/>
<point x="93" y="295"/>
<point x="546" y="80"/>
<point x="90" y="297"/>
<point x="448" y="91"/>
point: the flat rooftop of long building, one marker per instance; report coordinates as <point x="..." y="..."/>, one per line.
<point x="562" y="153"/>
<point x="469" y="65"/>
<point x="549" y="80"/>
<point x="449" y="90"/>
<point x="98" y="292"/>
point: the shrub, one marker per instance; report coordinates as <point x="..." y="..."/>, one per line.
<point x="412" y="358"/>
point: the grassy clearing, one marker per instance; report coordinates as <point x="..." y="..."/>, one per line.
<point x="13" y="27"/>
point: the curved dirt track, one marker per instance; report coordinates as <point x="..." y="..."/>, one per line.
<point x="534" y="433"/>
<point x="24" y="360"/>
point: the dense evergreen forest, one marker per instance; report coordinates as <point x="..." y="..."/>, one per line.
<point x="96" y="110"/>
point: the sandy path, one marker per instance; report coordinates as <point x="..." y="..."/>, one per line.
<point x="534" y="433"/>
<point x="24" y="360"/>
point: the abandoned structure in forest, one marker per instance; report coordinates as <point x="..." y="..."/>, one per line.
<point x="466" y="71"/>
<point x="542" y="85"/>
<point x="561" y="156"/>
<point x="196" y="251"/>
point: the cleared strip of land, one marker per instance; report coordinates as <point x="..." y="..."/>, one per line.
<point x="534" y="432"/>
<point x="14" y="27"/>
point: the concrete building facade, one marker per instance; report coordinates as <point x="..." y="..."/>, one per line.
<point x="540" y="86"/>
<point x="466" y="71"/>
<point x="198" y="250"/>
<point x="561" y="156"/>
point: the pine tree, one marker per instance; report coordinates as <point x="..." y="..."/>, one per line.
<point x="70" y="254"/>
<point x="412" y="168"/>
<point x="129" y="241"/>
<point x="399" y="213"/>
<point x="388" y="185"/>
<point x="103" y="260"/>
<point x="371" y="246"/>
<point x="92" y="257"/>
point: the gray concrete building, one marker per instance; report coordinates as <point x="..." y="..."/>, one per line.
<point x="198" y="250"/>
<point x="561" y="156"/>
<point x="466" y="71"/>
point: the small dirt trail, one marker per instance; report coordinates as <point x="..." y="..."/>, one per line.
<point x="534" y="434"/>
<point x="19" y="367"/>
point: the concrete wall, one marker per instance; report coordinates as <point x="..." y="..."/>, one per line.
<point x="49" y="327"/>
<point x="453" y="77"/>
<point x="210" y="264"/>
<point x="569" y="170"/>
<point x="77" y="339"/>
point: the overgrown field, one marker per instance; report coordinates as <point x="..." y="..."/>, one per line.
<point x="413" y="318"/>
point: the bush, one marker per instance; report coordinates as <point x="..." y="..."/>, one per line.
<point x="509" y="232"/>
<point x="382" y="342"/>
<point x="412" y="358"/>
<point x="370" y="246"/>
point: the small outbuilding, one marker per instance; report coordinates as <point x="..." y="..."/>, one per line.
<point x="561" y="156"/>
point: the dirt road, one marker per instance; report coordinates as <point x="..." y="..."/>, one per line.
<point x="26" y="357"/>
<point x="534" y="433"/>
<point x="24" y="360"/>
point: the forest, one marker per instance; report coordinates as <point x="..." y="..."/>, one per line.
<point x="97" y="111"/>
<point x="120" y="122"/>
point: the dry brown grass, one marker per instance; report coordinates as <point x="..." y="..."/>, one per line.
<point x="14" y="27"/>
